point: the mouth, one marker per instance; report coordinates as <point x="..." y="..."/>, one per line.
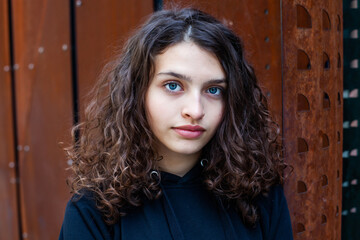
<point x="189" y="131"/>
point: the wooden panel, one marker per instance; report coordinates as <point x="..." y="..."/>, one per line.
<point x="312" y="92"/>
<point x="100" y="31"/>
<point x="258" y="25"/>
<point x="9" y="228"/>
<point x="44" y="111"/>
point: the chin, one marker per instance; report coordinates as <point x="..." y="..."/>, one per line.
<point x="188" y="150"/>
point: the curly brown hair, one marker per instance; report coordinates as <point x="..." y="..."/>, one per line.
<point x="115" y="154"/>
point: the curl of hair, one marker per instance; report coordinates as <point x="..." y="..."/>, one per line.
<point x="114" y="154"/>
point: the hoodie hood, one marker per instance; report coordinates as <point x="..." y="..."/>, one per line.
<point x="192" y="177"/>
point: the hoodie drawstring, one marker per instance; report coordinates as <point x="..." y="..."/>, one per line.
<point x="172" y="221"/>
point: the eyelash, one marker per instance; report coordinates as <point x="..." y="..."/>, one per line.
<point x="220" y="89"/>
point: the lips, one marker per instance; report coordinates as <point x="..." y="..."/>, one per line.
<point x="189" y="131"/>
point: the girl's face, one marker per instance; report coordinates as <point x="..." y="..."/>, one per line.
<point x="185" y="99"/>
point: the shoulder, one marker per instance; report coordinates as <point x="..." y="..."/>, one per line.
<point x="83" y="201"/>
<point x="274" y="197"/>
<point x="274" y="214"/>
<point x="83" y="220"/>
<point x="82" y="205"/>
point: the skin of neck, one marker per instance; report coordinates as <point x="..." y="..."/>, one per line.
<point x="177" y="163"/>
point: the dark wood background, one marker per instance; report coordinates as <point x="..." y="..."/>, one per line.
<point x="51" y="53"/>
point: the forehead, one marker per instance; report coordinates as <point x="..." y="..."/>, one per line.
<point x="189" y="59"/>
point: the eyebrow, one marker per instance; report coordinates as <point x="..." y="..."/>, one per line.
<point x="187" y="78"/>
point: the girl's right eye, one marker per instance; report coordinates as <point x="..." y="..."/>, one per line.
<point x="173" y="87"/>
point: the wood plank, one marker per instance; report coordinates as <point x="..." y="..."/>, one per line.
<point x="9" y="227"/>
<point x="100" y="31"/>
<point x="44" y="111"/>
<point x="315" y="185"/>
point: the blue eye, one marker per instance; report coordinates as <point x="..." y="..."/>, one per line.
<point x="173" y="87"/>
<point x="214" y="90"/>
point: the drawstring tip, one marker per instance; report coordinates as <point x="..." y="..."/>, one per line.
<point x="204" y="162"/>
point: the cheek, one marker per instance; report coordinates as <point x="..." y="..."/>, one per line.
<point x="218" y="114"/>
<point x="156" y="113"/>
<point x="158" y="110"/>
<point x="219" y="120"/>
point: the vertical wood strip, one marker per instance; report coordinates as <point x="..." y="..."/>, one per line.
<point x="43" y="92"/>
<point x="311" y="71"/>
<point x="9" y="228"/>
<point x="100" y="31"/>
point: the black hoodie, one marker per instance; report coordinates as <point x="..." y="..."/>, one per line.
<point x="185" y="211"/>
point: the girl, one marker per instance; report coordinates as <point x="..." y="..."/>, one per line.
<point x="178" y="142"/>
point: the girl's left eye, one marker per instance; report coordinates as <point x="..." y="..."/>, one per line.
<point x="214" y="90"/>
<point x="173" y="87"/>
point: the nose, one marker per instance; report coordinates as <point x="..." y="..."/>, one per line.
<point x="193" y="108"/>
